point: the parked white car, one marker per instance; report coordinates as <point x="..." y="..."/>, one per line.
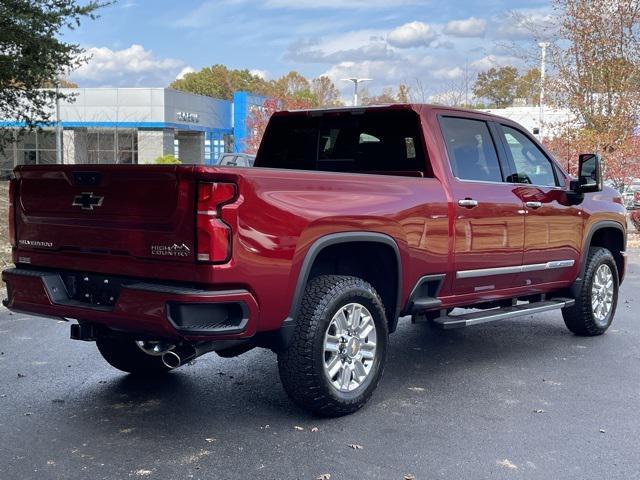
<point x="237" y="160"/>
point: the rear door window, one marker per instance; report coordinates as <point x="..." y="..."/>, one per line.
<point x="471" y="150"/>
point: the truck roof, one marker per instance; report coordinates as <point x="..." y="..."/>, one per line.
<point x="418" y="107"/>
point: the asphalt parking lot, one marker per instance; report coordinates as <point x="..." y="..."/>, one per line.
<point x="518" y="399"/>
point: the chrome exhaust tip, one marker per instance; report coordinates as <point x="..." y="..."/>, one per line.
<point x="171" y="359"/>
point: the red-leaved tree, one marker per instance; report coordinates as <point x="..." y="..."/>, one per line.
<point x="621" y="157"/>
<point x="259" y="116"/>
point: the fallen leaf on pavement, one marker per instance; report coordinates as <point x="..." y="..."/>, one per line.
<point x="417" y="389"/>
<point x="538" y="410"/>
<point x="507" y="464"/>
<point x="355" y="446"/>
<point x="409" y="476"/>
<point x="314" y="429"/>
<point x="324" y="476"/>
<point x="296" y="427"/>
<point x="210" y="440"/>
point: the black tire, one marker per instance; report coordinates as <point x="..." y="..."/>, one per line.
<point x="580" y="318"/>
<point x="125" y="355"/>
<point x="301" y="365"/>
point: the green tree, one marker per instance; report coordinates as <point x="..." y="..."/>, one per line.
<point x="167" y="160"/>
<point x="325" y="92"/>
<point x="528" y="86"/>
<point x="498" y="85"/>
<point x="218" y="81"/>
<point x="62" y="83"/>
<point x="295" y="87"/>
<point x="32" y="54"/>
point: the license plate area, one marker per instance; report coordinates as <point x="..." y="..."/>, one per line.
<point x="92" y="289"/>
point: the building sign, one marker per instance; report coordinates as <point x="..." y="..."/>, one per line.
<point x="188" y="117"/>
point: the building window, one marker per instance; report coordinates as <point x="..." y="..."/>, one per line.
<point x="27" y="148"/>
<point x="207" y="151"/>
<point x="46" y="140"/>
<point x="6" y="153"/>
<point x="112" y="146"/>
<point x="127" y="146"/>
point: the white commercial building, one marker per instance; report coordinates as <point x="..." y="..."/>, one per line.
<point x="127" y="125"/>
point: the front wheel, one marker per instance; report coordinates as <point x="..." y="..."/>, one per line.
<point x="339" y="346"/>
<point x="597" y="296"/>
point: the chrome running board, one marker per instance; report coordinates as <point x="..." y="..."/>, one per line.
<point x="476" y="318"/>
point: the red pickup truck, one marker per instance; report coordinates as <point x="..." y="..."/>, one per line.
<point x="350" y="219"/>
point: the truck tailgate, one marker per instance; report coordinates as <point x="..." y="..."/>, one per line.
<point x="133" y="211"/>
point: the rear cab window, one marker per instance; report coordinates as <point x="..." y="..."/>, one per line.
<point x="374" y="141"/>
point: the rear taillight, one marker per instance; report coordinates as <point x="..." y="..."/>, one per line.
<point x="12" y="212"/>
<point x="213" y="235"/>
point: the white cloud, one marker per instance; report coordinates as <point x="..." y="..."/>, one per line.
<point x="448" y="73"/>
<point x="526" y="24"/>
<point x="131" y="66"/>
<point x="413" y="34"/>
<point x="471" y="27"/>
<point x="357" y="45"/>
<point x="183" y="72"/>
<point x="381" y="72"/>
<point x="490" y="61"/>
<point x="263" y="74"/>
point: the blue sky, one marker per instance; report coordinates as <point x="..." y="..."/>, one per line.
<point x="427" y="44"/>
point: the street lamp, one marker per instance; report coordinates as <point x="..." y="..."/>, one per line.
<point x="543" y="58"/>
<point x="58" y="129"/>
<point x="355" y="81"/>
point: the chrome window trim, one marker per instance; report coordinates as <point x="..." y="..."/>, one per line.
<point x="534" y="267"/>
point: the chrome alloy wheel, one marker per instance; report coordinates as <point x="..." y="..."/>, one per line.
<point x="349" y="347"/>
<point x="602" y="294"/>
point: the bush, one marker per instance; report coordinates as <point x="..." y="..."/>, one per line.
<point x="634" y="216"/>
<point x="167" y="160"/>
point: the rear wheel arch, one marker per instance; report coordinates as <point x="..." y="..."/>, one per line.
<point x="372" y="256"/>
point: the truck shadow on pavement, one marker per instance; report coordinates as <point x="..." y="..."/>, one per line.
<point x="213" y="392"/>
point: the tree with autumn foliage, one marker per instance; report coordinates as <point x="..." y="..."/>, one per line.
<point x="259" y="116"/>
<point x="325" y="92"/>
<point x="621" y="165"/>
<point x="290" y="92"/>
<point x="596" y="63"/>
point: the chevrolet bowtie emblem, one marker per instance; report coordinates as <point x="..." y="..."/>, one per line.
<point x="87" y="201"/>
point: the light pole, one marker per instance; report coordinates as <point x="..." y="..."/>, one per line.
<point x="58" y="130"/>
<point x="543" y="58"/>
<point x="355" y="81"/>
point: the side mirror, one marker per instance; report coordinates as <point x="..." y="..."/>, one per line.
<point x="589" y="173"/>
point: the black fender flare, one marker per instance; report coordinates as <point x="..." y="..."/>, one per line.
<point x="281" y="338"/>
<point x="585" y="247"/>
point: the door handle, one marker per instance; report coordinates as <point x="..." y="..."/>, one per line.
<point x="468" y="203"/>
<point x="533" y="204"/>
